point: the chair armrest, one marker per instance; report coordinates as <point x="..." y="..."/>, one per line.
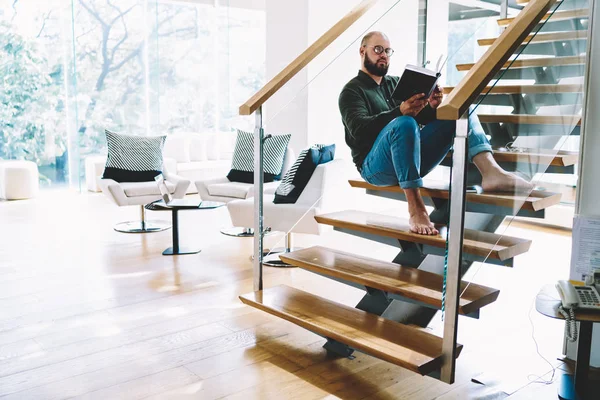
<point x="181" y="184"/>
<point x="202" y="186"/>
<point x="113" y="191"/>
<point x="328" y="187"/>
<point x="268" y="188"/>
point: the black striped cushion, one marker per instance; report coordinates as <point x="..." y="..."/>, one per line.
<point x="297" y="177"/>
<point x="133" y="158"/>
<point x="242" y="165"/>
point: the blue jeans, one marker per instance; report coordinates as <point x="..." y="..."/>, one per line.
<point x="403" y="153"/>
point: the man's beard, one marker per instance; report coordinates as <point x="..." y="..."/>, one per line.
<point x="374" y="69"/>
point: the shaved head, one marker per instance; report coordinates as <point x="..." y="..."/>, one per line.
<point x="366" y="39"/>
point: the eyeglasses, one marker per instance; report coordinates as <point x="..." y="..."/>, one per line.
<point x="379" y="49"/>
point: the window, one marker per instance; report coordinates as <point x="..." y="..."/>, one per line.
<point x="33" y="110"/>
<point x="132" y="66"/>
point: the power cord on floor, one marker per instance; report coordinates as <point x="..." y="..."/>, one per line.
<point x="539" y="379"/>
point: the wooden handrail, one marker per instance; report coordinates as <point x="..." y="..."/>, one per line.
<point x="455" y="105"/>
<point x="303" y="59"/>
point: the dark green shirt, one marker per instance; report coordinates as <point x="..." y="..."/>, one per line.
<point x="367" y="108"/>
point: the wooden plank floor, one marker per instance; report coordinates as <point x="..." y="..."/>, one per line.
<point x="86" y="312"/>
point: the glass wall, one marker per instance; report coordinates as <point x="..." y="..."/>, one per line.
<point x="33" y="107"/>
<point x="140" y="67"/>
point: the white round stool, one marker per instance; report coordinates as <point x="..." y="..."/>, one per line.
<point x="94" y="167"/>
<point x="18" y="180"/>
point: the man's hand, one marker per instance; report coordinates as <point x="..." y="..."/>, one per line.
<point x="436" y="97"/>
<point x="414" y="105"/>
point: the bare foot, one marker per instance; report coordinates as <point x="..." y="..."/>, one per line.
<point x="420" y="223"/>
<point x="505" y="182"/>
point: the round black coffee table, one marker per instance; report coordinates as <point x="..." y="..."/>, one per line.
<point x="185" y="204"/>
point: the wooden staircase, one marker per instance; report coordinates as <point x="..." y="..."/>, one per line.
<point x="381" y="324"/>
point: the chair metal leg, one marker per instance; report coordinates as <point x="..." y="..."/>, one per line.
<point x="273" y="260"/>
<point x="242" y="232"/>
<point x="142" y="226"/>
<point x="238" y="232"/>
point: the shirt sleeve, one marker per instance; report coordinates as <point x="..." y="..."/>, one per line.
<point x="355" y="115"/>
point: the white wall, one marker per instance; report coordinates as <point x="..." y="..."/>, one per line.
<point x="589" y="190"/>
<point x="287" y="37"/>
<point x="437" y="33"/>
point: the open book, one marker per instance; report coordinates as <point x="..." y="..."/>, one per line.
<point x="415" y="80"/>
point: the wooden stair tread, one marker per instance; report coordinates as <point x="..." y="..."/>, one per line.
<point x="478" y="243"/>
<point x="557" y="16"/>
<point x="400" y="344"/>
<point x="542" y="37"/>
<point x="554" y="158"/>
<point x="534" y="62"/>
<point x="567" y="192"/>
<point x="535" y="201"/>
<point x="529" y="89"/>
<point x="409" y="282"/>
<point x="569" y="120"/>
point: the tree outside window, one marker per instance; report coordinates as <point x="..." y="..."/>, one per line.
<point x="132" y="66"/>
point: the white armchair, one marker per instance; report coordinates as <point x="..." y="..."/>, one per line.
<point x="223" y="190"/>
<point x="140" y="194"/>
<point x="324" y="193"/>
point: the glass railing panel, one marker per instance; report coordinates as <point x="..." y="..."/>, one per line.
<point x="531" y="114"/>
<point x="307" y="109"/>
<point x="539" y="115"/>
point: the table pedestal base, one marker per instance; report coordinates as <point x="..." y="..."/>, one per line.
<point x="182" y="250"/>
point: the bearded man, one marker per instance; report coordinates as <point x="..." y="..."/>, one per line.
<point x="398" y="144"/>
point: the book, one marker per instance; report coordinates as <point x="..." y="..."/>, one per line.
<point x="415" y="80"/>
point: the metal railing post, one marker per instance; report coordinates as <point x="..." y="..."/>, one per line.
<point x="503" y="8"/>
<point x="455" y="245"/>
<point x="258" y="200"/>
<point x="422" y="33"/>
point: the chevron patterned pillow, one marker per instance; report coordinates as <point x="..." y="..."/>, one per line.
<point x="242" y="165"/>
<point x="296" y="179"/>
<point x="133" y="158"/>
